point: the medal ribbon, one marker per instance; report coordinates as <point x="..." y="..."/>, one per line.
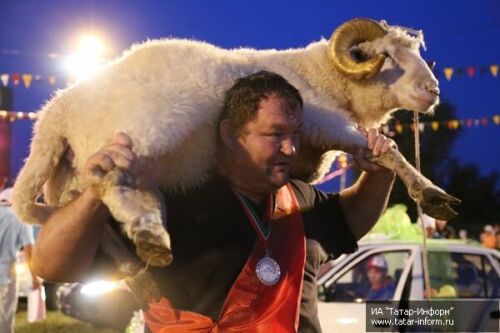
<point x="261" y="226"/>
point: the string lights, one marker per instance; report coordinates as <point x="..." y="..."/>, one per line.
<point x="17" y="115"/>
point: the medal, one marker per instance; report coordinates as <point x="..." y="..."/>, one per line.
<point x="268" y="271"/>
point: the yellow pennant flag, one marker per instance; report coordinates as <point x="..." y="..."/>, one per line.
<point x="52" y="80"/>
<point x="494" y="70"/>
<point x="448" y="73"/>
<point x="496" y="119"/>
<point x="435" y="125"/>
<point x="27" y="80"/>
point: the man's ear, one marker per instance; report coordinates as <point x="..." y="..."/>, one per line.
<point x="227" y="134"/>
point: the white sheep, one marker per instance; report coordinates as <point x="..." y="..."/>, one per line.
<point x="167" y="95"/>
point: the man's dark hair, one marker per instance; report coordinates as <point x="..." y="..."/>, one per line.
<point x="243" y="99"/>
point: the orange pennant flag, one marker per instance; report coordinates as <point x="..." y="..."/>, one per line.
<point x="494" y="70"/>
<point x="453" y="124"/>
<point x="435" y="125"/>
<point x="16" y="78"/>
<point x="5" y="79"/>
<point x="448" y="73"/>
<point x="27" y="80"/>
<point x="52" y="79"/>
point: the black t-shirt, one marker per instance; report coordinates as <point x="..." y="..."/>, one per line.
<point x="212" y="240"/>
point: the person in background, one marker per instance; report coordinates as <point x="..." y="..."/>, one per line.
<point x="487" y="237"/>
<point x="381" y="288"/>
<point x="463" y="235"/>
<point x="444" y="230"/>
<point x="14" y="235"/>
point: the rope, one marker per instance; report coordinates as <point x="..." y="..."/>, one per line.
<point x="427" y="283"/>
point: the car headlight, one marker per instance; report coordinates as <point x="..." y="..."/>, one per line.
<point x="21" y="268"/>
<point x="98" y="287"/>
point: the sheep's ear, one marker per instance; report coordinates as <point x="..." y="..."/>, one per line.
<point x="227" y="133"/>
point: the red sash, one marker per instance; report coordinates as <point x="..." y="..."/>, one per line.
<point x="251" y="306"/>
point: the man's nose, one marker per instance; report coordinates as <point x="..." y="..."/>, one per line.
<point x="288" y="147"/>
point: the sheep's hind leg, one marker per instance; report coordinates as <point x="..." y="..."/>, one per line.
<point x="141" y="210"/>
<point x="433" y="200"/>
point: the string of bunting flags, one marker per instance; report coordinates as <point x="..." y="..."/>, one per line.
<point x="448" y="72"/>
<point x="470" y="71"/>
<point x="398" y="127"/>
<point x="391" y="129"/>
<point x="15" y="79"/>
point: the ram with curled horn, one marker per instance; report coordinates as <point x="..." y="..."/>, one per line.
<point x="167" y="95"/>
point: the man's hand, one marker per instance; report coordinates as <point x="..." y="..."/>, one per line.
<point x="378" y="144"/>
<point x="117" y="154"/>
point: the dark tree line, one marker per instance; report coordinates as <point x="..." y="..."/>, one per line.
<point x="479" y="194"/>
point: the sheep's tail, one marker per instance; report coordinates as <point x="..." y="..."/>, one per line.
<point x="47" y="148"/>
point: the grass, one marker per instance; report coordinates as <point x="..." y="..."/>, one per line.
<point x="56" y="322"/>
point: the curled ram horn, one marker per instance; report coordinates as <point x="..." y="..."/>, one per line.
<point x="346" y="36"/>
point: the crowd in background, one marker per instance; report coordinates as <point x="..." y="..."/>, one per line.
<point x="489" y="237"/>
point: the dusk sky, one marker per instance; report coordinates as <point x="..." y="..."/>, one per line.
<point x="458" y="34"/>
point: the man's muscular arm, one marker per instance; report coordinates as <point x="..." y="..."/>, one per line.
<point x="365" y="201"/>
<point x="69" y="239"/>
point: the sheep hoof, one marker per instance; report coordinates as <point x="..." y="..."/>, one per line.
<point x="436" y="203"/>
<point x="150" y="251"/>
<point x="153" y="243"/>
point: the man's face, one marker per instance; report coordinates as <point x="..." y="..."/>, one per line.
<point x="267" y="145"/>
<point x="376" y="276"/>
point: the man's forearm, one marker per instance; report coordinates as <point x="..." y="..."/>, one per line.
<point x="68" y="241"/>
<point x="366" y="200"/>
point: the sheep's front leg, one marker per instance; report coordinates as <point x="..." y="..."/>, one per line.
<point x="433" y="200"/>
<point x="141" y="210"/>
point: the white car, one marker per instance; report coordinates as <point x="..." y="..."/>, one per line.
<point x="457" y="271"/>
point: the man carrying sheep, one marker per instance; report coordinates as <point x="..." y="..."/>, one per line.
<point x="241" y="260"/>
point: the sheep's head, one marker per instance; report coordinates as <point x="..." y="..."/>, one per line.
<point x="369" y="51"/>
